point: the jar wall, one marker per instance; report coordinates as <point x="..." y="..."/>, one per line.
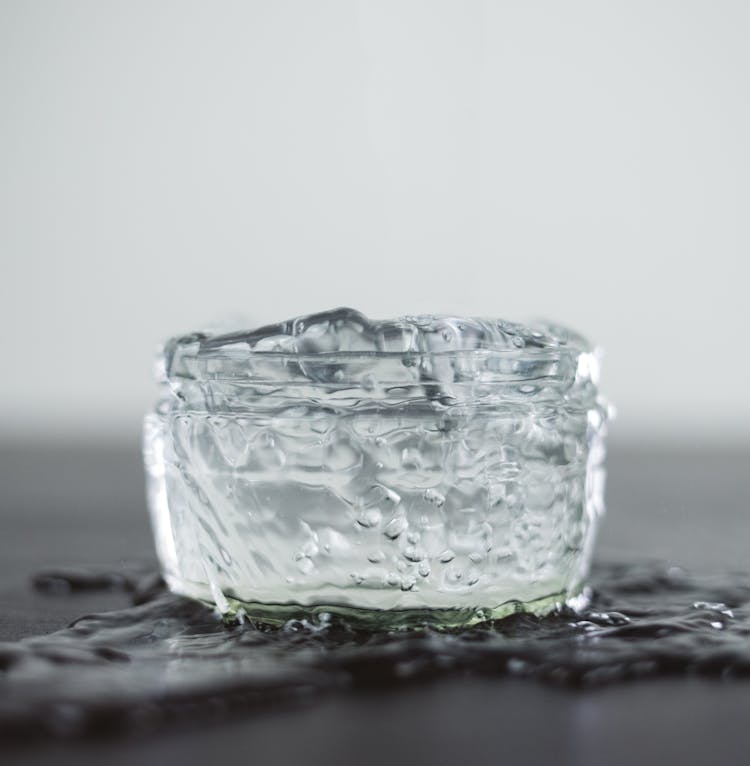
<point x="398" y="510"/>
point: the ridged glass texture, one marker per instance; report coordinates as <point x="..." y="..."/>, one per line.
<point x="425" y="463"/>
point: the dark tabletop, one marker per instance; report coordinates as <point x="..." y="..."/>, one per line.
<point x="83" y="505"/>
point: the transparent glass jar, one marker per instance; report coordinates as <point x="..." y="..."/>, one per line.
<point x="428" y="469"/>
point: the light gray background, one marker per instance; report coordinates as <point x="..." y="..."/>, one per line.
<point x="164" y="164"/>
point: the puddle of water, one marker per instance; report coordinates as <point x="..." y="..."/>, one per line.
<point x="168" y="658"/>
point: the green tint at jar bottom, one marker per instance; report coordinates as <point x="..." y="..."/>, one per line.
<point x="277" y="615"/>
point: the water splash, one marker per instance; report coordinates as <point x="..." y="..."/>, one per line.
<point x="167" y="658"/>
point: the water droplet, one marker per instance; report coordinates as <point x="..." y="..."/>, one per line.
<point x="447" y="556"/>
<point x="392" y="578"/>
<point x="434" y="497"/>
<point x="309" y="548"/>
<point x="453" y="576"/>
<point x="408" y="582"/>
<point x="714" y="606"/>
<point x="395" y="527"/>
<point x="412" y="553"/>
<point x="321" y="425"/>
<point x="369" y="517"/>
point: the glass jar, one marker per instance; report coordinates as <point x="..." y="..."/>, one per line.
<point x="428" y="469"/>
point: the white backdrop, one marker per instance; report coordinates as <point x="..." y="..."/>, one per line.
<point x="164" y="164"/>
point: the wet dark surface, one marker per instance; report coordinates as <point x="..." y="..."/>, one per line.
<point x="655" y="668"/>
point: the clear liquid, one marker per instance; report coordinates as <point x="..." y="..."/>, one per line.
<point x="169" y="657"/>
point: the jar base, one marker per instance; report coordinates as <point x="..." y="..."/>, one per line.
<point x="376" y="620"/>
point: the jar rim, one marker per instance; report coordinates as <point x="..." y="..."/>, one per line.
<point x="485" y="350"/>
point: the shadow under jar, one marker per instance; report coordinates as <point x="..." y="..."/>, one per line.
<point x="429" y="469"/>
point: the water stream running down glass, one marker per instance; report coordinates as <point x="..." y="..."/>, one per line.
<point x="167" y="658"/>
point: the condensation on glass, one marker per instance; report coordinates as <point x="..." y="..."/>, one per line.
<point x="427" y="468"/>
